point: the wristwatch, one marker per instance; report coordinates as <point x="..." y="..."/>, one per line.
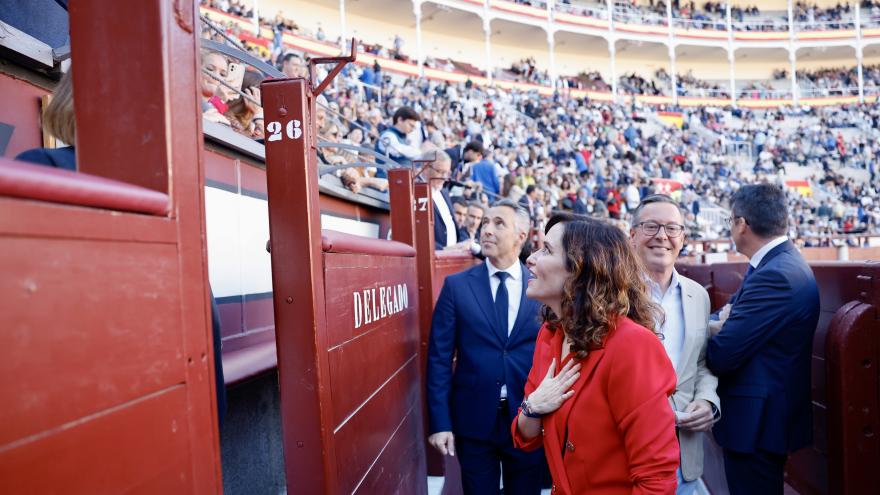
<point x="527" y="409"/>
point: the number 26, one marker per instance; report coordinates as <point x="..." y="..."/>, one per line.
<point x="293" y="129"/>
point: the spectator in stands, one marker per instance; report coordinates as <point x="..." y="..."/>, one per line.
<point x="631" y="195"/>
<point x="761" y="352"/>
<point x="615" y="203"/>
<point x="460" y="211"/>
<point x="484" y="172"/>
<point x="330" y="133"/>
<point x="373" y="123"/>
<point x="59" y="122"/>
<point x="246" y="115"/>
<point x="293" y="65"/>
<point x="529" y="202"/>
<point x="446" y="230"/>
<point x="393" y="141"/>
<point x="213" y="106"/>
<point x="475" y="214"/>
<point x="463" y="158"/>
<point x="483" y="317"/>
<point x="525" y="177"/>
<point x="580" y="205"/>
<point x="658" y="234"/>
<point x="597" y="393"/>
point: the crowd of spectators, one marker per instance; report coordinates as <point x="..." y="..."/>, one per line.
<point x="634" y="84"/>
<point x="559" y="152"/>
<point x="713" y="15"/>
<point x="526" y="71"/>
<point x="810" y="16"/>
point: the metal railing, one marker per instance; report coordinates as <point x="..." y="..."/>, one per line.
<point x="704" y="92"/>
<point x="838" y="25"/>
<point x="739" y="150"/>
<point x="818" y="91"/>
<point x="716" y="24"/>
<point x="760" y="24"/>
<point x="713" y="216"/>
<point x="629" y="15"/>
<point x="760" y="93"/>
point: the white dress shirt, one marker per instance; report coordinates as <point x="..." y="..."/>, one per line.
<point x="766" y="248"/>
<point x="446" y="216"/>
<point x="514" y="294"/>
<point x="673" y="326"/>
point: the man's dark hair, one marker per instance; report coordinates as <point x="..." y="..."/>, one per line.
<point x="652" y="199"/>
<point x="458" y="200"/>
<point x="475" y="146"/>
<point x="763" y="207"/>
<point x="404" y="113"/>
<point x="530" y="189"/>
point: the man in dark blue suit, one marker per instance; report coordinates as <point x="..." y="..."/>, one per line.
<point x="761" y="352"/>
<point x="484" y="319"/>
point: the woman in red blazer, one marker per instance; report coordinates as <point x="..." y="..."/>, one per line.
<point x="604" y="418"/>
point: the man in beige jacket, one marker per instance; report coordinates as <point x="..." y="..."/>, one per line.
<point x="658" y="235"/>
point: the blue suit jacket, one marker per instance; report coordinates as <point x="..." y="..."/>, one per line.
<point x="464" y="325"/>
<point x="762" y="357"/>
<point x="64" y="157"/>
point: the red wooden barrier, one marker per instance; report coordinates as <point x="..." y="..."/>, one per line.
<point x="726" y="279"/>
<point x="702" y="274"/>
<point x="107" y="371"/>
<point x="346" y="327"/>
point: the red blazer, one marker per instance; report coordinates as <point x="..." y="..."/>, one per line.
<point x="621" y="429"/>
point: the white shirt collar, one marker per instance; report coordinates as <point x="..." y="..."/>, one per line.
<point x="766" y="248"/>
<point x="514" y="270"/>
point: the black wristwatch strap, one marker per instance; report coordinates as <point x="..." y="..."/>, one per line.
<point x="527" y="409"/>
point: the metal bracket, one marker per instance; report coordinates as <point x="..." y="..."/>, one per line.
<point x="427" y="163"/>
<point x="340" y="62"/>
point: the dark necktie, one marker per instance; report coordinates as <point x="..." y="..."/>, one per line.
<point x="748" y="272"/>
<point x="501" y="301"/>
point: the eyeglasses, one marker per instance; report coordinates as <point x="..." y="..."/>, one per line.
<point x="439" y="171"/>
<point x="652" y="228"/>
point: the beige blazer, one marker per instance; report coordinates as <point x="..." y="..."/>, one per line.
<point x="695" y="381"/>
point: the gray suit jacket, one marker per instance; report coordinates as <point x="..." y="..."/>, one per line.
<point x="695" y="381"/>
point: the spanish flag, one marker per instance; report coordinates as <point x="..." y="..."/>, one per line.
<point x="801" y="186"/>
<point x="672" y="118"/>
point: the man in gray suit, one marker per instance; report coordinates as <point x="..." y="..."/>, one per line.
<point x="658" y="234"/>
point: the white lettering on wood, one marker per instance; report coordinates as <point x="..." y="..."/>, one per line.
<point x="370" y="307"/>
<point x="367" y="315"/>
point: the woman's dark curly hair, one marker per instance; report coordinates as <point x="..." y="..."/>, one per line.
<point x="607" y="281"/>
